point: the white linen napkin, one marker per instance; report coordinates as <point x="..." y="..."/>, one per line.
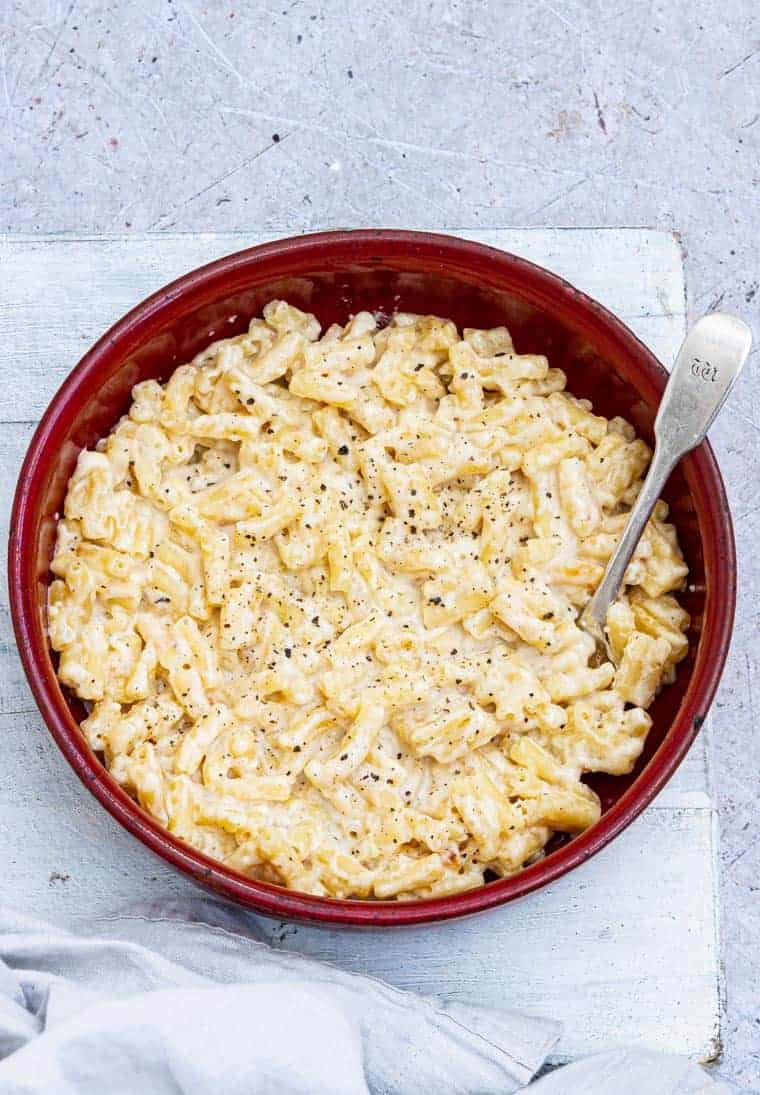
<point x="188" y="1002"/>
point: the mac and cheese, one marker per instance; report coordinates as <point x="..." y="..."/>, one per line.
<point x="320" y="595"/>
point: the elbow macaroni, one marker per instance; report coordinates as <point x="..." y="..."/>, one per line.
<point x="321" y="597"/>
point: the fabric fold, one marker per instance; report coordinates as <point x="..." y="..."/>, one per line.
<point x="630" y="1071"/>
<point x="187" y="1000"/>
<point x="166" y="1005"/>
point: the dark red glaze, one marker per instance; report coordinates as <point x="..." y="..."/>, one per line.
<point x="333" y="274"/>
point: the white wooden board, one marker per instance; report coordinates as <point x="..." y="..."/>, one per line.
<point x="624" y="950"/>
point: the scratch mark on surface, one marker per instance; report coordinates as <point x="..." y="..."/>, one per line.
<point x="215" y="182"/>
<point x="275" y="119"/>
<point x="557" y="197"/>
<point x="54" y="121"/>
<point x="644" y="118"/>
<point x="463" y="29"/>
<point x="411" y="190"/>
<point x="702" y="191"/>
<point x="384" y="169"/>
<point x="6" y="90"/>
<point x="645" y="22"/>
<point x="102" y="164"/>
<point x="222" y="56"/>
<point x="364" y="122"/>
<point x="121" y="213"/>
<point x="750" y="123"/>
<point x="739" y="63"/>
<point x="663" y="299"/>
<point x="740" y="855"/>
<point x="558" y="15"/>
<point x="156" y="106"/>
<point x="747" y="513"/>
<point x="56" y="39"/>
<point x="314" y="126"/>
<point x="748" y="672"/>
<point x="745" y="418"/>
<point x="599" y="115"/>
<point x="455" y="154"/>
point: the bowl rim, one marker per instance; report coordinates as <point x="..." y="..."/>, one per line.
<point x="716" y="531"/>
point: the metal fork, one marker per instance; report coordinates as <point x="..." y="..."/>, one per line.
<point x="704" y="372"/>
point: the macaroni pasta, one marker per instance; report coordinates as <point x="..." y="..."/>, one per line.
<point x="320" y="595"/>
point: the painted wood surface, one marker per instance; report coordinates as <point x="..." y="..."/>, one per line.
<point x="626" y="949"/>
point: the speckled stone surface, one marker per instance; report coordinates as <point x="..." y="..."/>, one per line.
<point x="183" y="115"/>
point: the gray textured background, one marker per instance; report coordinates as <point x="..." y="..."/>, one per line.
<point x="183" y="115"/>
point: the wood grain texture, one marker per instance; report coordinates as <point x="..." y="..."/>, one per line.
<point x="626" y="949"/>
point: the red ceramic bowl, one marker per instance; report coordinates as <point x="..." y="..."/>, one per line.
<point x="333" y="274"/>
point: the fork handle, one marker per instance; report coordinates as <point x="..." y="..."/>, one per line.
<point x="708" y="363"/>
<point x="595" y="612"/>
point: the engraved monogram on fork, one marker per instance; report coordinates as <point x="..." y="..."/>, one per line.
<point x="703" y="370"/>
